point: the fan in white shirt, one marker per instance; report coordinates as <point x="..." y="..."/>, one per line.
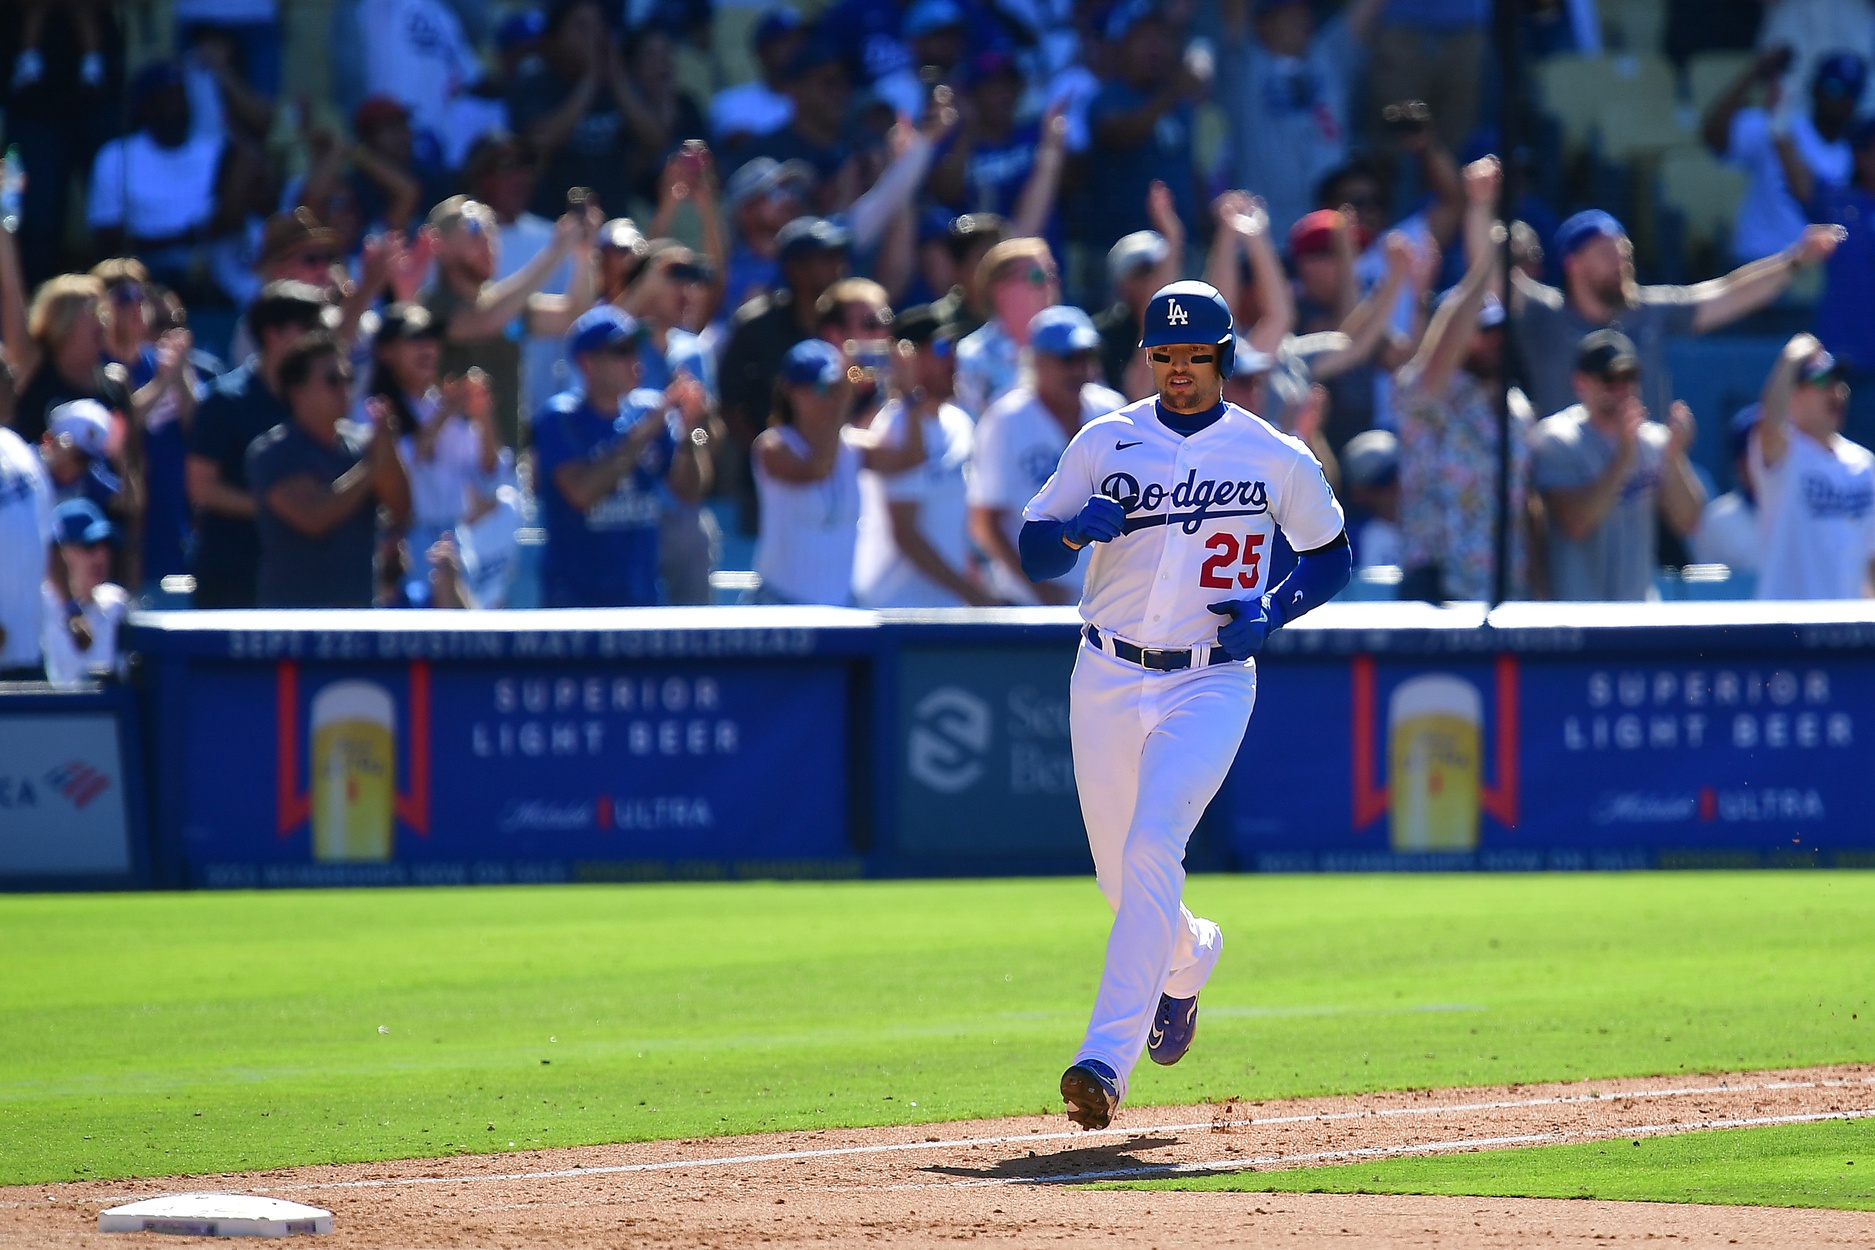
<point x="1020" y="441"/>
<point x="1816" y="489"/>
<point x="84" y="552"/>
<point x="751" y="110"/>
<point x="913" y="542"/>
<point x="806" y="467"/>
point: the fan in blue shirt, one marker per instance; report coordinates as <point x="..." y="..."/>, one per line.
<point x="603" y="450"/>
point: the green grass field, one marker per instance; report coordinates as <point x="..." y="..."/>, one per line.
<point x="1831" y="1164"/>
<point x="158" y="1034"/>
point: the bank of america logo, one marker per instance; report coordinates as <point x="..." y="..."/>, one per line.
<point x="79" y="782"/>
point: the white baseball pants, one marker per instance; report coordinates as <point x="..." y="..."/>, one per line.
<point x="1150" y="751"/>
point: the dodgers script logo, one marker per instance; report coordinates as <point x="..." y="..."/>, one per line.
<point x="1176" y="315"/>
<point x="1193" y="502"/>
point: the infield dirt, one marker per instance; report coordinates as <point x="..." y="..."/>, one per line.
<point x="1007" y="1181"/>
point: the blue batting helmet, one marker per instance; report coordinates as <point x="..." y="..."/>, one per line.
<point x="1191" y="312"/>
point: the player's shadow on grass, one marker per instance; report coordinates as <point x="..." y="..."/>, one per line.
<point x="1066" y="1165"/>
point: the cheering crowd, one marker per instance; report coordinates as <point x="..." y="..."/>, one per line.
<point x="542" y="326"/>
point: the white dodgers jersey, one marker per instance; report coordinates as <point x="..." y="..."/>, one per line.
<point x="1201" y="513"/>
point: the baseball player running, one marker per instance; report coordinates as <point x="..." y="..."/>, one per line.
<point x="1181" y="494"/>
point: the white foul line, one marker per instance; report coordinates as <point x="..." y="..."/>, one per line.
<point x="1145" y="1171"/>
<point x="1079" y="1134"/>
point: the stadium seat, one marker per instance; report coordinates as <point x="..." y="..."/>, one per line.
<point x="1638" y="109"/>
<point x="1705" y="190"/>
<point x="1708" y="74"/>
<point x="1634" y="25"/>
<point x="1571" y="88"/>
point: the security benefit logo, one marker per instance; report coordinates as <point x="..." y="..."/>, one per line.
<point x="954" y="742"/>
<point x="345" y="737"/>
<point x="1434" y="793"/>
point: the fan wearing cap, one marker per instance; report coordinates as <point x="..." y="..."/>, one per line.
<point x="1020" y="441"/>
<point x="812" y="254"/>
<point x="752" y="109"/>
<point x="319" y="482"/>
<point x="607" y="450"/>
<point x="85" y="537"/>
<point x="473" y="308"/>
<point x="1021" y="279"/>
<point x="1815" y="488"/>
<point x="1599" y="291"/>
<point x="1446" y="398"/>
<point x="1181" y="497"/>
<point x="1606" y="473"/>
<point x="806" y="467"/>
<point x="1728" y="527"/>
<point x="1770" y="139"/>
<point x="153" y="191"/>
<point x="1137" y="265"/>
<point x="77" y="451"/>
<point x="914" y="547"/>
<point x="1370" y="482"/>
<point x="761" y="197"/>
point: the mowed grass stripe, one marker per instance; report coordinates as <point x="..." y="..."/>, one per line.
<point x="1826" y="1164"/>
<point x="159" y="1034"/>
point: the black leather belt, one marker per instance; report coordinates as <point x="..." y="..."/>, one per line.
<point x="1154" y="658"/>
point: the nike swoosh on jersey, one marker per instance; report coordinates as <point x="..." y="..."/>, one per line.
<point x="1124" y="446"/>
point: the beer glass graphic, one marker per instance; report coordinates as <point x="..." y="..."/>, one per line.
<point x="1433" y="754"/>
<point x="354" y="764"/>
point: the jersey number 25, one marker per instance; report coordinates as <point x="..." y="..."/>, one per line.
<point x="1216" y="573"/>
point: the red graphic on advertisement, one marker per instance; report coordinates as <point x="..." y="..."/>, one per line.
<point x="351" y="798"/>
<point x="1708" y="804"/>
<point x="79" y="782"/>
<point x="1435" y="790"/>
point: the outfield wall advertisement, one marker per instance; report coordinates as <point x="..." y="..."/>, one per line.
<point x="317" y="774"/>
<point x="70" y="799"/>
<point x="1525" y="762"/>
<point x="305" y="749"/>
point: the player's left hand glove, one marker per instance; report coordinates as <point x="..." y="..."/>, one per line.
<point x="1249" y="624"/>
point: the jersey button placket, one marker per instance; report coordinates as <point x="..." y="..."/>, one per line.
<point x="1163" y="601"/>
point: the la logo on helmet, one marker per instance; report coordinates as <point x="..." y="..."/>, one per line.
<point x="1177" y="316"/>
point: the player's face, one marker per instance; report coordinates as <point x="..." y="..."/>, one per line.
<point x="1187" y="375"/>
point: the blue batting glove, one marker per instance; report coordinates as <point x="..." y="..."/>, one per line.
<point x="1100" y="521"/>
<point x="1242" y="635"/>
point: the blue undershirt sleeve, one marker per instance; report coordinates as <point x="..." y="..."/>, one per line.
<point x="1044" y="555"/>
<point x="1319" y="576"/>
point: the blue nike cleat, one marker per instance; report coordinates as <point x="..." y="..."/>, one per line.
<point x="1173" y="1027"/>
<point x="1092" y="1093"/>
